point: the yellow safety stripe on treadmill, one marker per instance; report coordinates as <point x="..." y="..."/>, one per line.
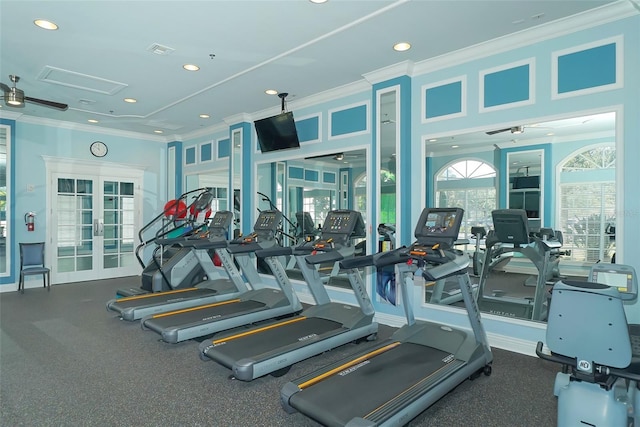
<point x="255" y="331"/>
<point x="327" y="374"/>
<point x="403" y="393"/>
<point x="155" y="294"/>
<point x="200" y="307"/>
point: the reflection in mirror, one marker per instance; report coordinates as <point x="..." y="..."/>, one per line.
<point x="388" y="127"/>
<point x="525" y="184"/>
<point x="236" y="175"/>
<point x="217" y="181"/>
<point x="578" y="185"/>
<point x="4" y="143"/>
<point x="311" y="187"/>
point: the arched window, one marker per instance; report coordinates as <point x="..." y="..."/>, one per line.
<point x="587" y="203"/>
<point x="470" y="185"/>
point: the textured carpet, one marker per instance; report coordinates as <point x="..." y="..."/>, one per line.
<point x="66" y="361"/>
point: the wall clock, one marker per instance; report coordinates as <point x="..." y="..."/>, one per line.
<point x="99" y="149"/>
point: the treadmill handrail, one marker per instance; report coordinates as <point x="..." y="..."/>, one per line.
<point x="457" y="265"/>
<point x="357" y="262"/>
<point x="204" y="244"/>
<point x="324" y="257"/>
<point x="274" y="251"/>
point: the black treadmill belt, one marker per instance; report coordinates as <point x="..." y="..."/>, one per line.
<point x="289" y="332"/>
<point x="361" y="389"/>
<point x="188" y="317"/>
<point x="164" y="298"/>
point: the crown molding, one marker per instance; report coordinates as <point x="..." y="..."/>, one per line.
<point x="560" y="27"/>
<point x="11" y="115"/>
<point x="205" y="132"/>
<point x="404" y="68"/>
<point x="238" y="118"/>
<point x="60" y="124"/>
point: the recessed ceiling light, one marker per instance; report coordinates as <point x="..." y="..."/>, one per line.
<point x="204" y="116"/>
<point x="130" y="100"/>
<point x="401" y="47"/>
<point x="318" y="1"/>
<point x="455" y="146"/>
<point x="432" y="140"/>
<point x="271" y="92"/>
<point x="190" y="67"/>
<point x="550" y="134"/>
<point x="92" y="121"/>
<point x="158" y="131"/>
<point x="47" y="25"/>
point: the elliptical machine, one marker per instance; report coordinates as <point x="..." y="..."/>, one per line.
<point x="587" y="333"/>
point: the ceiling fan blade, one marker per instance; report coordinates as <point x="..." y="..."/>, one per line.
<point x="45" y="103"/>
<point x="5" y="88"/>
<point x="493" y="132"/>
<point x="322" y="156"/>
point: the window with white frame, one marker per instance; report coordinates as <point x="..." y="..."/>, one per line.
<point x="471" y="185"/>
<point x="587" y="204"/>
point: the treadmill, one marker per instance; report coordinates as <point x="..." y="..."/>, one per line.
<point x="214" y="288"/>
<point x="260" y="303"/>
<point x="394" y="381"/>
<point x="275" y="346"/>
<point x="512" y="235"/>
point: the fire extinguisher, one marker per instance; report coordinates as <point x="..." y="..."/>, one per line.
<point x="29" y="220"/>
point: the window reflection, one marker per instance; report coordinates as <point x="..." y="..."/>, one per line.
<point x="4" y="133"/>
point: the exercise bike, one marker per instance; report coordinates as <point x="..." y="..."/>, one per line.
<point x="588" y="334"/>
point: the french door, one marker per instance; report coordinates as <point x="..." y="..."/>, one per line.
<point x="93" y="223"/>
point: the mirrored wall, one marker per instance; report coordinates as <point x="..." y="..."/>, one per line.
<point x="561" y="173"/>
<point x="5" y="138"/>
<point x="312" y="186"/>
<point x="217" y="180"/>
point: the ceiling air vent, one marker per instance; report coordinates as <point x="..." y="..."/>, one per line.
<point x="159" y="49"/>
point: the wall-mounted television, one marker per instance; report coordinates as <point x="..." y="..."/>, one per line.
<point x="277" y="133"/>
<point x="521" y="182"/>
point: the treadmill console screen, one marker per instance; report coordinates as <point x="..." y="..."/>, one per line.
<point x="440" y="223"/>
<point x="511" y="226"/>
<point x="221" y="219"/>
<point x="304" y="224"/>
<point x="618" y="276"/>
<point x="341" y="222"/>
<point x="268" y="221"/>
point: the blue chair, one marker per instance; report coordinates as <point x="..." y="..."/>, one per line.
<point x="32" y="263"/>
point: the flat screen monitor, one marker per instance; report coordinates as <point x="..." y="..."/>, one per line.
<point x="520" y="182"/>
<point x="277" y="133"/>
<point x="439" y="224"/>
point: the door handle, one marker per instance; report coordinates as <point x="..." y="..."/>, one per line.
<point x="98" y="228"/>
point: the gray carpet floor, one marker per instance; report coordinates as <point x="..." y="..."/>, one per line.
<point x="66" y="361"/>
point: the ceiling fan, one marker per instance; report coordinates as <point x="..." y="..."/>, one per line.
<point x="336" y="156"/>
<point x="14" y="97"/>
<point x="513" y="129"/>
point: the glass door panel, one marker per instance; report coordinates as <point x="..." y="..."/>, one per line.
<point x="94" y="228"/>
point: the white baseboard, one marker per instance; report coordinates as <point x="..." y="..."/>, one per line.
<point x="503" y="342"/>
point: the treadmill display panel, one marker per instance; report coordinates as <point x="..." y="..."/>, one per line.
<point x="268" y="221"/>
<point x="221" y="219"/>
<point x="342" y="222"/>
<point x="441" y="223"/>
